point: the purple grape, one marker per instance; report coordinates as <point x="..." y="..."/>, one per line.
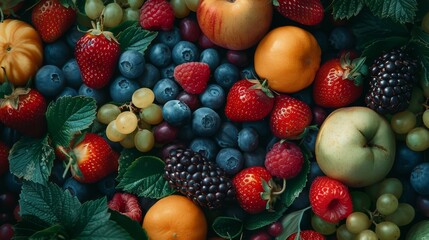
<point x="238" y="58"/>
<point x="6" y="231"/>
<point x="275" y="229"/>
<point x="189" y="29"/>
<point x="165" y="133"/>
<point x="191" y="100"/>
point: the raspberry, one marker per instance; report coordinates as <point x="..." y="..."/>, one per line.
<point x="157" y="15"/>
<point x="284" y="160"/>
<point x="128" y="205"/>
<point x="192" y="76"/>
<point x="307" y="235"/>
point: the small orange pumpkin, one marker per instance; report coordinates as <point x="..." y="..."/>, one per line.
<point x="21" y="51"/>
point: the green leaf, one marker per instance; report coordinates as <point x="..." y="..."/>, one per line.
<point x="377" y="47"/>
<point x="423" y="8"/>
<point x="110" y="230"/>
<point x="32" y="159"/>
<point x="136" y="38"/>
<point x="121" y="27"/>
<point x="92" y="215"/>
<point x="127" y="157"/>
<point x="295" y="185"/>
<point x="291" y="223"/>
<point x="27" y="226"/>
<point x="346" y="9"/>
<point x="80" y="6"/>
<point x="69" y="115"/>
<point x="132" y="227"/>
<point x="227" y="227"/>
<point x="5" y="89"/>
<point x="51" y="233"/>
<point x="144" y="177"/>
<point x="256" y="221"/>
<point x="420" y="43"/>
<point x="402" y="11"/>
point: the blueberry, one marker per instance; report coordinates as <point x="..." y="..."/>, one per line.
<point x="67" y="91"/>
<point x="72" y="73"/>
<point x="315" y="171"/>
<point x="206" y="146"/>
<point x="213" y="97"/>
<point x="49" y="80"/>
<point x="255" y="158"/>
<point x="169" y="38"/>
<point x="176" y="113"/>
<point x="57" y="173"/>
<point x="248" y="72"/>
<point x="322" y="39"/>
<point x="131" y="63"/>
<point x="248" y="139"/>
<point x="107" y="185"/>
<point x="231" y="160"/>
<point x="12" y="183"/>
<point x="165" y="90"/>
<point x="405" y="159"/>
<point x="309" y="140"/>
<point x="226" y="74"/>
<point x="56" y="53"/>
<point x="150" y="76"/>
<point x="185" y="51"/>
<point x="186" y="133"/>
<point x="341" y="38"/>
<point x="10" y="135"/>
<point x="73" y="35"/>
<point x="262" y="127"/>
<point x="210" y="56"/>
<point x="227" y="135"/>
<point x="80" y="190"/>
<point x="99" y="95"/>
<point x="205" y="122"/>
<point x="168" y="71"/>
<point x="419" y="178"/>
<point x="408" y="194"/>
<point x="303" y="199"/>
<point x="159" y="55"/>
<point x="122" y="89"/>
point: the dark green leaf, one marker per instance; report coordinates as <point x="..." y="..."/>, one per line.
<point x="256" y="221"/>
<point x="69" y="115"/>
<point x="125" y="160"/>
<point x="295" y="185"/>
<point x="346" y="9"/>
<point x="136" y="38"/>
<point x="5" y="89"/>
<point x="377" y="47"/>
<point x="80" y="6"/>
<point x="425" y="71"/>
<point x="423" y="8"/>
<point x="110" y="230"/>
<point x="227" y="227"/>
<point x="402" y="11"/>
<point x="420" y="44"/>
<point x="27" y="226"/>
<point x="92" y="216"/>
<point x="32" y="159"/>
<point x="144" y="177"/>
<point x="132" y="227"/>
<point x="51" y="233"/>
<point x="291" y="223"/>
<point x="121" y="27"/>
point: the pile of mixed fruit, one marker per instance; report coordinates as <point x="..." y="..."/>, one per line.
<point x="214" y="119"/>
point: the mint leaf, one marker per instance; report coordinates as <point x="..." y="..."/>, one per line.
<point x="127" y="157"/>
<point x="136" y="38"/>
<point x="377" y="47"/>
<point x="256" y="221"/>
<point x="402" y="11"/>
<point x="144" y="177"/>
<point x="227" y="227"/>
<point x="69" y="115"/>
<point x="295" y="185"/>
<point x="27" y="226"/>
<point x="291" y="223"/>
<point x="32" y="159"/>
<point x="92" y="215"/>
<point x="132" y="227"/>
<point x="346" y="9"/>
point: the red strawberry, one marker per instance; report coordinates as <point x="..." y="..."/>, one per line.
<point x="284" y="160"/>
<point x="248" y="100"/>
<point x="52" y="19"/>
<point x="157" y="15"/>
<point x="128" y="205"/>
<point x="307" y="12"/>
<point x="24" y="110"/>
<point x="192" y="76"/>
<point x="338" y="82"/>
<point x="330" y="199"/>
<point x="4" y="154"/>
<point x="254" y="189"/>
<point x="93" y="159"/>
<point x="97" y="53"/>
<point x="289" y="117"/>
<point x="307" y="235"/>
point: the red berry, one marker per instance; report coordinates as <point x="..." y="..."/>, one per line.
<point x="308" y="235"/>
<point x="284" y="160"/>
<point x="275" y="229"/>
<point x="128" y="205"/>
<point x="192" y="76"/>
<point x="6" y="231"/>
<point x="307" y="12"/>
<point x="4" y="154"/>
<point x="157" y="15"/>
<point x="260" y="235"/>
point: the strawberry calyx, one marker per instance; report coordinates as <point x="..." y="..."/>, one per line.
<point x="261" y="86"/>
<point x="13" y="99"/>
<point x="271" y="192"/>
<point x="97" y="30"/>
<point x="354" y="69"/>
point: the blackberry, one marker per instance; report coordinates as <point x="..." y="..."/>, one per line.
<point x="199" y="179"/>
<point x="393" y="75"/>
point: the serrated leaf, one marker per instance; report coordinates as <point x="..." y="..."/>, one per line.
<point x="144" y="177"/>
<point x="32" y="159"/>
<point x="423" y="8"/>
<point x="121" y="27"/>
<point x="260" y="220"/>
<point x="291" y="223"/>
<point x="69" y="115"/>
<point x="53" y="232"/>
<point x="420" y="44"/>
<point x="295" y="185"/>
<point x="346" y="9"/>
<point x="110" y="230"/>
<point x="402" y="11"/>
<point x="135" y="38"/>
<point x="27" y="226"/>
<point x="92" y="215"/>
<point x="377" y="47"/>
<point x="132" y="227"/>
<point x="126" y="158"/>
<point x="227" y="227"/>
<point x="425" y="72"/>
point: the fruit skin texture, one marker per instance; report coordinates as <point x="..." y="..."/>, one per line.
<point x="284" y="160"/>
<point x="244" y="103"/>
<point x="52" y="20"/>
<point x="4" y="154"/>
<point x="288" y="57"/>
<point x="157" y="15"/>
<point x="192" y="76"/>
<point x="97" y="54"/>
<point x="127" y="204"/>
<point x="175" y="217"/>
<point x="289" y="117"/>
<point x="235" y="25"/>
<point x="307" y="235"/>
<point x="23" y="110"/>
<point x="330" y="199"/>
<point x="307" y="12"/>
<point x="356" y="146"/>
<point x="21" y="51"/>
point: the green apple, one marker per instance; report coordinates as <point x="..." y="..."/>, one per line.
<point x="355" y="145"/>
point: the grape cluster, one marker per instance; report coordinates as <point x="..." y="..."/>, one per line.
<point x="131" y="124"/>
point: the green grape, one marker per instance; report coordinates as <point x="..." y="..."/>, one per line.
<point x="404" y="215"/>
<point x="107" y="113"/>
<point x="128" y="141"/>
<point x="126" y="122"/>
<point x="344" y="234"/>
<point x="391" y="185"/>
<point x="356" y="222"/>
<point x="136" y="4"/>
<point x="131" y="14"/>
<point x="192" y="4"/>
<point x="113" y="134"/>
<point x="322" y="226"/>
<point x="93" y="8"/>
<point x="425" y="87"/>
<point x="387" y="204"/>
<point x="425" y="117"/>
<point x="152" y="114"/>
<point x="144" y="125"/>
<point x="112" y="15"/>
<point x="144" y="140"/>
<point x="387" y="231"/>
<point x="425" y="23"/>
<point x="180" y="8"/>
<point x="361" y="201"/>
<point x="143" y="97"/>
<point x="366" y="235"/>
<point x="403" y="122"/>
<point x="372" y="191"/>
<point x="418" y="139"/>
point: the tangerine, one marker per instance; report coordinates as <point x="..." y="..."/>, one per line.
<point x="288" y="57"/>
<point x="175" y="217"/>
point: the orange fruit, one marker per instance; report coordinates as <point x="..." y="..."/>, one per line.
<point x="175" y="217"/>
<point x="288" y="57"/>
